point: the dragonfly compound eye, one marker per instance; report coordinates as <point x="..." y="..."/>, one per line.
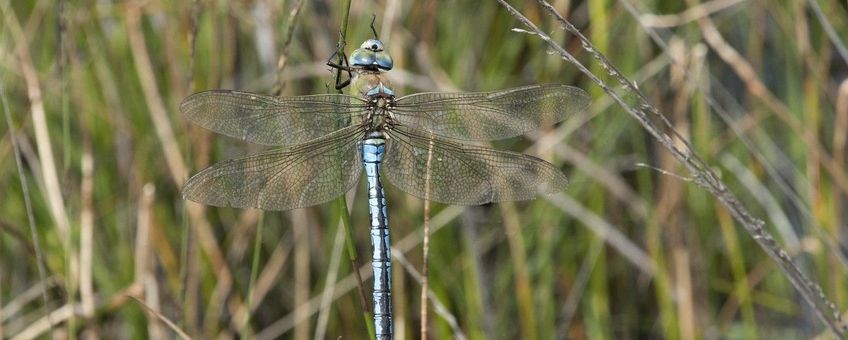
<point x="372" y="45"/>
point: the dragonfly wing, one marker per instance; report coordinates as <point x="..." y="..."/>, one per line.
<point x="464" y="174"/>
<point x="490" y="115"/>
<point x="283" y="179"/>
<point x="271" y="120"/>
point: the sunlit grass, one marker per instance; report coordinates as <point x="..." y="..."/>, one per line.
<point x="526" y="270"/>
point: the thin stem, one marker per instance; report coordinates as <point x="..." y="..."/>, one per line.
<point x="343" y="28"/>
<point x="342" y="202"/>
<point x="425" y="266"/>
<point x="831" y="32"/>
<point x="284" y="56"/>
<point x="439" y="307"/>
<point x="341" y="43"/>
<point x="344" y="219"/>
<point x="254" y="271"/>
<point x="687" y="156"/>
<point x="330" y="285"/>
<point x="37" y="110"/>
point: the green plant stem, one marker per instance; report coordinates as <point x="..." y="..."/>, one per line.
<point x="341" y="202"/>
<point x="254" y="271"/>
<point x="344" y="220"/>
<point x="343" y="28"/>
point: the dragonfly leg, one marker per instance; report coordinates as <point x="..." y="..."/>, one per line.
<point x="340" y="66"/>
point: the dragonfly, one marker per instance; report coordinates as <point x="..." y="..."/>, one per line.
<point x="425" y="144"/>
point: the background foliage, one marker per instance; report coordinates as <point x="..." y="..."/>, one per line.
<point x="93" y="88"/>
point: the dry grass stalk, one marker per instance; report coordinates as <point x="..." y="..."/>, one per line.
<point x="438" y="306"/>
<point x="687" y="156"/>
<point x="182" y="334"/>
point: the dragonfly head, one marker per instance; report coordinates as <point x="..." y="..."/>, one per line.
<point x="371" y="55"/>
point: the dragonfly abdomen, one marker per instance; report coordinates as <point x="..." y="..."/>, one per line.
<point x="373" y="147"/>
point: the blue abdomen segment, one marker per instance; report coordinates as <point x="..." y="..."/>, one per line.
<point x="372" y="155"/>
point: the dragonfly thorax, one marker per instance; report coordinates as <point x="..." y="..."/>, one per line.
<point x="380" y="112"/>
<point x="371" y="84"/>
<point x="376" y="90"/>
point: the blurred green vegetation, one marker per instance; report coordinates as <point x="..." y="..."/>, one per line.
<point x="121" y="251"/>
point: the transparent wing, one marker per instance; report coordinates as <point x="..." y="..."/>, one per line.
<point x="464" y="174"/>
<point x="271" y="120"/>
<point x="490" y="115"/>
<point x="282" y="179"/>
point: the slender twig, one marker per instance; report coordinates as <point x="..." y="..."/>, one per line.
<point x="713" y="86"/>
<point x="175" y="163"/>
<point x="831" y="32"/>
<point x="425" y="265"/>
<point x="575" y="294"/>
<point x="163" y="318"/>
<point x="758" y="89"/>
<point x="143" y="263"/>
<point x="686" y="155"/>
<point x="282" y="61"/>
<point x="344" y="220"/>
<point x="414" y="239"/>
<point x="771" y="205"/>
<point x="605" y="231"/>
<point x="189" y="259"/>
<point x="22" y="300"/>
<point x="254" y="270"/>
<point x="438" y="306"/>
<point x="199" y="227"/>
<point x="267" y="278"/>
<point x="86" y="247"/>
<point x="302" y="277"/>
<point x="62" y="63"/>
<point x="840" y="142"/>
<point x="52" y="186"/>
<point x="39" y="326"/>
<point x="156" y="105"/>
<point x="707" y="91"/>
<point x="299" y="219"/>
<point x="341" y="203"/>
<point x="689" y="15"/>
<point x="330" y="284"/>
<point x="192" y="43"/>
<point x="523" y="288"/>
<point x="350" y="282"/>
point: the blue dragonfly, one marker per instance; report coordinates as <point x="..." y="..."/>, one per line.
<point x="419" y="143"/>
